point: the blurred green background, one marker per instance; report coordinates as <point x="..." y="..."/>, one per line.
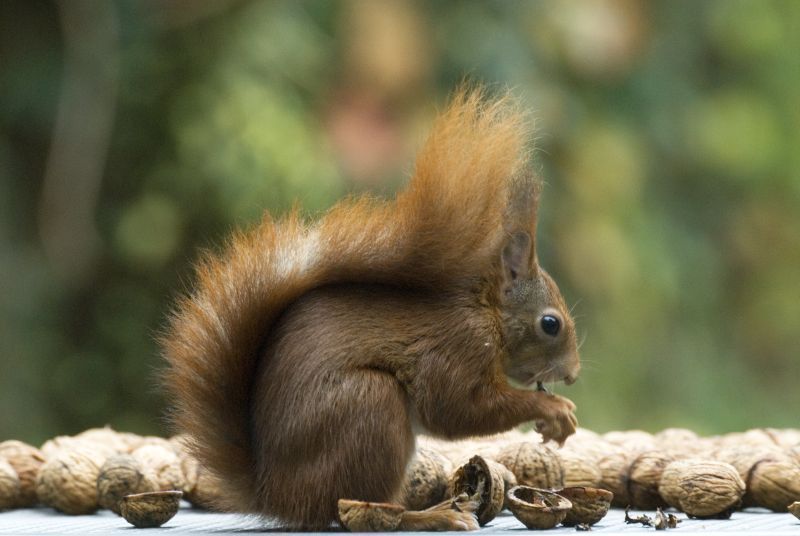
<point x="134" y="133"/>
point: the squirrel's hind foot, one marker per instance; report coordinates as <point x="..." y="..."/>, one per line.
<point x="438" y="520"/>
<point x="453" y="514"/>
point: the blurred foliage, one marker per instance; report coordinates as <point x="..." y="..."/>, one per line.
<point x="668" y="134"/>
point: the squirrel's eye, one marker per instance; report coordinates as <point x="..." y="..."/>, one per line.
<point x="550" y="325"/>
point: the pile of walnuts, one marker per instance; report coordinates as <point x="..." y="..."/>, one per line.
<point x="705" y="477"/>
<point x="96" y="469"/>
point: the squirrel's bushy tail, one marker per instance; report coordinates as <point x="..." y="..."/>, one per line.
<point x="447" y="227"/>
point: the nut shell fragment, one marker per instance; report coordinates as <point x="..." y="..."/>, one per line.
<point x="537" y="508"/>
<point x="794" y="508"/>
<point x="703" y="489"/>
<point x="26" y="461"/>
<point x="589" y="505"/>
<point x="152" y="509"/>
<point x="360" y="516"/>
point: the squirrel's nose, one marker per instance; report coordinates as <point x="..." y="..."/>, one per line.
<point x="570" y="378"/>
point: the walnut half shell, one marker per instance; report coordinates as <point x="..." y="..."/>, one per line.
<point x="152" y="509"/>
<point x="537" y="508"/>
<point x="589" y="505"/>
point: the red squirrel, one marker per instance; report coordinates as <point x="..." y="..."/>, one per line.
<point x="309" y="355"/>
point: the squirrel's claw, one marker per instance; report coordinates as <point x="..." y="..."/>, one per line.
<point x="557" y="421"/>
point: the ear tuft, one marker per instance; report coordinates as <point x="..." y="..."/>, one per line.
<point x="516" y="256"/>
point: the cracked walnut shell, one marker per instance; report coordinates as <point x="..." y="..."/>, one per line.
<point x="153" y="509"/>
<point x="484" y="478"/>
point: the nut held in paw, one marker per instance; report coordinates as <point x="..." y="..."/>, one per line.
<point x="152" y="509"/>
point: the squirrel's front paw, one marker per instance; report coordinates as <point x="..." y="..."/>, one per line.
<point x="556" y="419"/>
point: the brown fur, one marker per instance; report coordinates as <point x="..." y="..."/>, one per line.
<point x="308" y="355"/>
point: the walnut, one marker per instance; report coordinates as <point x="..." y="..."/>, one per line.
<point x="26" y="461"/>
<point x="589" y="444"/>
<point x="772" y="476"/>
<point x="200" y="487"/>
<point x="9" y="486"/>
<point x="68" y="482"/>
<point x="682" y="443"/>
<point x="106" y="436"/>
<point x="180" y="444"/>
<point x="614" y="468"/>
<point x="97" y="450"/>
<point x="459" y="452"/>
<point x="579" y="468"/>
<point x="632" y="440"/>
<point x="785" y="438"/>
<point x="703" y="489"/>
<point x="533" y="464"/>
<point x="426" y="480"/>
<point x="794" y="453"/>
<point x="644" y="475"/>
<point x="751" y="438"/>
<point x="675" y="435"/>
<point x="119" y="476"/>
<point x="774" y="484"/>
<point x="159" y="442"/>
<point x="153" y="509"/>
<point x="161" y="465"/>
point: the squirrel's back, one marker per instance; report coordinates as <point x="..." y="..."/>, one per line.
<point x="441" y="233"/>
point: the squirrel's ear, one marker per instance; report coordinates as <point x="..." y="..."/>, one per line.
<point x="516" y="258"/>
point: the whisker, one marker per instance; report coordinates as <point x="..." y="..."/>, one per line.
<point x="583" y="339"/>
